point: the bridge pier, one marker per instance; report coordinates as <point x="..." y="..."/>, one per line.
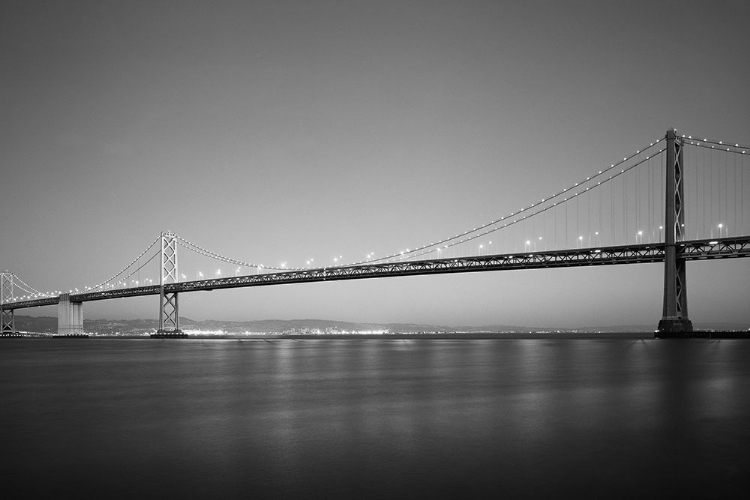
<point x="674" y="322"/>
<point x="69" y="317"/>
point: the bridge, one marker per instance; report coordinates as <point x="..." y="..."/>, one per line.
<point x="644" y="196"/>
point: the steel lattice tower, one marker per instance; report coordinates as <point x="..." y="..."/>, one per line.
<point x="169" y="319"/>
<point x="6" y="295"/>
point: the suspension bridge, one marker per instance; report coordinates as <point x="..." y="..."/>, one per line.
<point x="654" y="206"/>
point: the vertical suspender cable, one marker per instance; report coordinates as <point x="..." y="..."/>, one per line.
<point x="612" y="210"/>
<point x="734" y="184"/>
<point x="710" y="198"/>
<point x="706" y="196"/>
<point x="637" y="201"/>
<point x="624" y="209"/>
<point x="742" y="199"/>
<point x="566" y="222"/>
<point x="726" y="187"/>
<point x="578" y="216"/>
<point x="599" y="219"/>
<point x="648" y="205"/>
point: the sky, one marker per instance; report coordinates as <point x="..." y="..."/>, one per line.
<point x="282" y="131"/>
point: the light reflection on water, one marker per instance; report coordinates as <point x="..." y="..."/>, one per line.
<point x="376" y="417"/>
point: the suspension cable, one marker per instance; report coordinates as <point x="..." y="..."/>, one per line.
<point x="716" y="144"/>
<point x="207" y="253"/>
<point x="100" y="285"/>
<point x="427" y="250"/>
<point x="141" y="267"/>
<point x="419" y="250"/>
<point x="31" y="289"/>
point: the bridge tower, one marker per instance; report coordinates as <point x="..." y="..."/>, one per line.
<point x="6" y="295"/>
<point x="674" y="322"/>
<point x="169" y="319"/>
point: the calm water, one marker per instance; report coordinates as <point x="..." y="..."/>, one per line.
<point x="375" y="418"/>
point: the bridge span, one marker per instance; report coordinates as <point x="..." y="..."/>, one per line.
<point x="723" y="248"/>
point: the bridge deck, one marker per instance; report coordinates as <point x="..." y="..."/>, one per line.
<point x="627" y="254"/>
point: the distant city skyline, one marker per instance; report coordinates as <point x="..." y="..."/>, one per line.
<point x="282" y="132"/>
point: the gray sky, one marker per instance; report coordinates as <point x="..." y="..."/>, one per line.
<point x="282" y="131"/>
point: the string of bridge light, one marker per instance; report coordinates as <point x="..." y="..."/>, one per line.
<point x="100" y="285"/>
<point x="539" y="211"/>
<point x="124" y="280"/>
<point x="435" y="246"/>
<point x="32" y="292"/>
<point x="451" y="241"/>
<point x="712" y="143"/>
<point x="207" y="253"/>
<point x="729" y="147"/>
<point x="735" y="148"/>
<point x="28" y="288"/>
<point x="429" y="247"/>
<point x="139" y="268"/>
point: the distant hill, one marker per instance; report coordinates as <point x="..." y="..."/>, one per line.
<point x="48" y="324"/>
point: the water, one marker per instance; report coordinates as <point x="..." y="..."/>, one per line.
<point x="375" y="418"/>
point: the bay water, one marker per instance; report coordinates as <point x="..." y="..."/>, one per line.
<point x="375" y="418"/>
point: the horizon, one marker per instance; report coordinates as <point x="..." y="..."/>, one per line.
<point x="490" y="327"/>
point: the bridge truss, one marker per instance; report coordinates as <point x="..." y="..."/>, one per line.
<point x="733" y="247"/>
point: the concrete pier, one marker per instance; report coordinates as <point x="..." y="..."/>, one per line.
<point x="69" y="317"/>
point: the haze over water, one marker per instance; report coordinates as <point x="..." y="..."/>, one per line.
<point x="375" y="418"/>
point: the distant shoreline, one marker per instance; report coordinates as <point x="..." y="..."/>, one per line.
<point x="423" y="336"/>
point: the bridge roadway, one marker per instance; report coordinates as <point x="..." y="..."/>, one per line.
<point x="720" y="248"/>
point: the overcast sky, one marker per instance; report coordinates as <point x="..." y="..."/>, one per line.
<point x="282" y="131"/>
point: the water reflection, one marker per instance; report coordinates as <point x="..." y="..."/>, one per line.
<point x="377" y="417"/>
